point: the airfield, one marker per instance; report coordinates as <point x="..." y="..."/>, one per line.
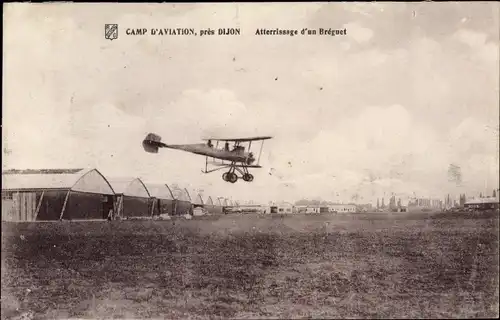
<point x="249" y="266"/>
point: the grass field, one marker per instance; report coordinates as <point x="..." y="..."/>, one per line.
<point x="248" y="266"/>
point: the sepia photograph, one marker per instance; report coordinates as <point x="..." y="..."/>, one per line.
<point x="328" y="160"/>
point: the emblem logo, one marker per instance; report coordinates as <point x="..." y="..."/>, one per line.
<point x="111" y="31"/>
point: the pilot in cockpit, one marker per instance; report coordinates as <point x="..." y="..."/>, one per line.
<point x="209" y="144"/>
<point x="239" y="149"/>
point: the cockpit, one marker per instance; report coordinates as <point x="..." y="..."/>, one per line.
<point x="239" y="149"/>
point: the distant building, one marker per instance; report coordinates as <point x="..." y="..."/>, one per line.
<point x="364" y="207"/>
<point x="313" y="209"/>
<point x="489" y="203"/>
<point x="285" y="207"/>
<point x="301" y="209"/>
<point x="282" y="207"/>
<point x="253" y="208"/>
<point x="424" y="204"/>
<point x="340" y="208"/>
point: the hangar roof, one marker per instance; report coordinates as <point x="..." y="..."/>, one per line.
<point x="209" y="201"/>
<point x="80" y="180"/>
<point x="180" y="193"/>
<point x="196" y="197"/>
<point x="132" y="187"/>
<point x="159" y="191"/>
<point x="219" y="201"/>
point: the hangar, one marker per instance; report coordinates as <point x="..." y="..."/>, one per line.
<point x="212" y="207"/>
<point x="162" y="200"/>
<point x="55" y="194"/>
<point x="182" y="203"/>
<point x="196" y="199"/>
<point x="131" y="198"/>
<point x="197" y="202"/>
<point x="220" y="201"/>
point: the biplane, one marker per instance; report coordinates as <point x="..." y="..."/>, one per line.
<point x="235" y="158"/>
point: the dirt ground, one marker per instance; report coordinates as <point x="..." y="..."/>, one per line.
<point x="248" y="266"/>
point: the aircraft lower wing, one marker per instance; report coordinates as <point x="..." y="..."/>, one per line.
<point x="218" y="164"/>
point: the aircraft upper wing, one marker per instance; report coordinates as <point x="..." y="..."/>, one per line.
<point x="240" y="139"/>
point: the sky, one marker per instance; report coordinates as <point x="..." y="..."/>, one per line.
<point x="411" y="89"/>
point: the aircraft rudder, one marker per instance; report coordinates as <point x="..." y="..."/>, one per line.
<point x="152" y="143"/>
<point x="153" y="137"/>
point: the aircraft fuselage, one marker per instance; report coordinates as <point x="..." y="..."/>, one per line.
<point x="204" y="150"/>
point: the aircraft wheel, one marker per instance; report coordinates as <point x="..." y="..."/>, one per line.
<point x="233" y="178"/>
<point x="246" y="177"/>
<point x="226" y="176"/>
<point x="250" y="177"/>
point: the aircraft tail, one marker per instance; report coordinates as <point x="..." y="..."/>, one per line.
<point x="152" y="143"/>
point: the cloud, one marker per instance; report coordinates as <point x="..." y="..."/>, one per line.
<point x="481" y="48"/>
<point x="359" y="33"/>
<point x="471" y="38"/>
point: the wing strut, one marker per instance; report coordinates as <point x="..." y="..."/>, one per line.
<point x="260" y="153"/>
<point x="216" y="147"/>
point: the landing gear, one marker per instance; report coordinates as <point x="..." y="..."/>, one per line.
<point x="232" y="177"/>
<point x="248" y="177"/>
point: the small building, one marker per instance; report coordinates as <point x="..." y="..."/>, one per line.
<point x="342" y="208"/>
<point x="182" y="203"/>
<point x="483" y="204"/>
<point x="132" y="198"/>
<point x="313" y="210"/>
<point x="162" y="200"/>
<point x="286" y="207"/>
<point x="282" y="208"/>
<point x="253" y="208"/>
<point x="55" y="194"/>
<point x="301" y="209"/>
